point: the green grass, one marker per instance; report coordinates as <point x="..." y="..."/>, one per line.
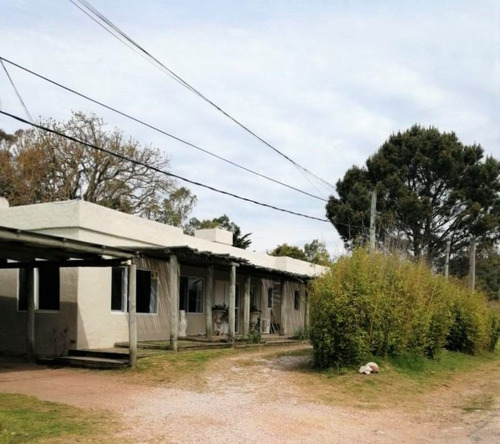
<point x="28" y="419"/>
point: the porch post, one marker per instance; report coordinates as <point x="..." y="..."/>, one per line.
<point x="30" y="314"/>
<point x="306" y="312"/>
<point x="232" y="302"/>
<point x="174" y="301"/>
<point x="132" y="314"/>
<point x="246" y="307"/>
<point x="282" y="307"/>
<point x="209" y="300"/>
<point x="263" y="305"/>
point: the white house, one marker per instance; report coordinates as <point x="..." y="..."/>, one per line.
<point x="86" y="307"/>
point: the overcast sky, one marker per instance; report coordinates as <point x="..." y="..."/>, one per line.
<point x="325" y="82"/>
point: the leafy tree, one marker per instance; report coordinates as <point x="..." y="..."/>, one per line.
<point x="317" y="253"/>
<point x="431" y="188"/>
<point x="314" y="252"/>
<point x="239" y="240"/>
<point x="290" y="251"/>
<point x="38" y="166"/>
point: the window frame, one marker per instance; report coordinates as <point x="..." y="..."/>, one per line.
<point x="297" y="300"/>
<point x="36" y="290"/>
<point x="203" y="295"/>
<point x="124" y="290"/>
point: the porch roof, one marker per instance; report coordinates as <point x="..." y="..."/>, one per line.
<point x="192" y="256"/>
<point x="20" y="248"/>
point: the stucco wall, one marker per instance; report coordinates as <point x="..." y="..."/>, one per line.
<point x="55" y="332"/>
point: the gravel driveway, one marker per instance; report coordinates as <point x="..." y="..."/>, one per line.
<point x="249" y="404"/>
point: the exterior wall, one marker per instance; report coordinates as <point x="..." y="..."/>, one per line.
<point x="55" y="331"/>
<point x="100" y="327"/>
<point x="294" y="319"/>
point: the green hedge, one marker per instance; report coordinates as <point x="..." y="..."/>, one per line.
<point x="378" y="305"/>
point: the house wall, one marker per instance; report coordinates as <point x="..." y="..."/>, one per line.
<point x="293" y="319"/>
<point x="55" y="331"/>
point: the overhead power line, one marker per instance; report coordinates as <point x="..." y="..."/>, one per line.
<point x="116" y="32"/>
<point x="16" y="91"/>
<point x="178" y="139"/>
<point x="158" y="170"/>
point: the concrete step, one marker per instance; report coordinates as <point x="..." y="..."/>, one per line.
<point x="91" y="362"/>
<point x="99" y="354"/>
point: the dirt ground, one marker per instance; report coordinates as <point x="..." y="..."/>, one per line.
<point x="254" y="398"/>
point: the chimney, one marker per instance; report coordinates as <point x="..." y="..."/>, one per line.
<point x="215" y="235"/>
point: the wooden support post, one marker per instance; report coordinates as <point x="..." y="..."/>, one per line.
<point x="209" y="300"/>
<point x="373" y="215"/>
<point x="30" y="314"/>
<point x="472" y="263"/>
<point x="174" y="301"/>
<point x="282" y="307"/>
<point x="306" y="312"/>
<point x="232" y="303"/>
<point x="132" y="314"/>
<point x="447" y="260"/>
<point x="246" y="308"/>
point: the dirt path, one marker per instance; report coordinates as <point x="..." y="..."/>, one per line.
<point x="252" y="398"/>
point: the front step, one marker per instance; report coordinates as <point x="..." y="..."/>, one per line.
<point x="94" y="362"/>
<point x="99" y="354"/>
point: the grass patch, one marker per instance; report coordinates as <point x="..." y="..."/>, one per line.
<point x="484" y="401"/>
<point x="173" y="368"/>
<point x="27" y="419"/>
<point x="400" y="382"/>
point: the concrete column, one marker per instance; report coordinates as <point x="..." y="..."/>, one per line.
<point x="232" y="303"/>
<point x="30" y="314"/>
<point x="209" y="300"/>
<point x="282" y="307"/>
<point x="246" y="307"/>
<point x="174" y="300"/>
<point x="132" y="314"/>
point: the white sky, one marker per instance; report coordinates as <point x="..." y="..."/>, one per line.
<point x="326" y="82"/>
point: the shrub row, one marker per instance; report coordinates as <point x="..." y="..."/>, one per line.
<point x="378" y="305"/>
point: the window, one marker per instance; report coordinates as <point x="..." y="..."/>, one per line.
<point x="147" y="291"/>
<point x="191" y="294"/>
<point x="296" y="303"/>
<point x="46" y="283"/>
<point x="119" y="288"/>
<point x="270" y="297"/>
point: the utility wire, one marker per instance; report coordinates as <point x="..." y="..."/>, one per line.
<point x="158" y="170"/>
<point x="115" y="29"/>
<point x="178" y="139"/>
<point x="16" y="91"/>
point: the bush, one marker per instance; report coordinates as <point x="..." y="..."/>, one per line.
<point x="376" y="305"/>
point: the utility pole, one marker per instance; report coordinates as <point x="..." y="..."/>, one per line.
<point x="373" y="214"/>
<point x="447" y="260"/>
<point x="472" y="263"/>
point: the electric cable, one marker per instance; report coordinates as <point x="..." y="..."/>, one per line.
<point x="176" y="77"/>
<point x="158" y="170"/>
<point x="178" y="139"/>
<point x="16" y="91"/>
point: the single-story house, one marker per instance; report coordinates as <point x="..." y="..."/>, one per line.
<point x="138" y="280"/>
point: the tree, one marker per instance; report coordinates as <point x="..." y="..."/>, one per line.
<point x="223" y="222"/>
<point x="175" y="210"/>
<point x="290" y="251"/>
<point x="38" y="166"/>
<point x="317" y="253"/>
<point x="431" y="188"/>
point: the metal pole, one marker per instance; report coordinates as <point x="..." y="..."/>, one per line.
<point x="132" y="314"/>
<point x="472" y="263"/>
<point x="447" y="260"/>
<point x="373" y="214"/>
